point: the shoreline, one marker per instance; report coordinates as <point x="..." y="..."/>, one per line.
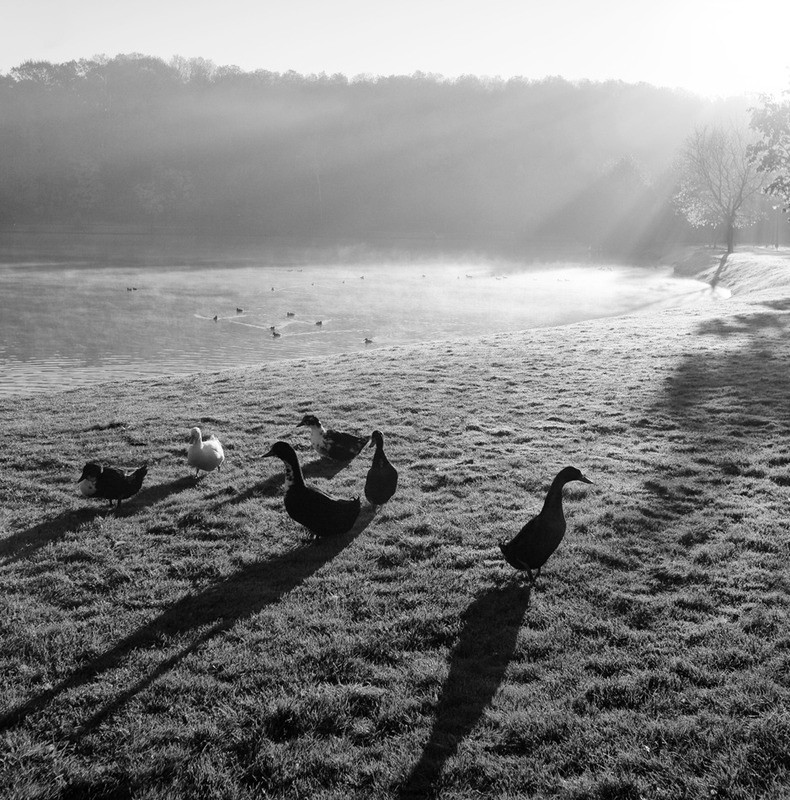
<point x="690" y="263"/>
<point x="649" y="659"/>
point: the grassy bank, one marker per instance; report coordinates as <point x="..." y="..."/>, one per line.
<point x="196" y="645"/>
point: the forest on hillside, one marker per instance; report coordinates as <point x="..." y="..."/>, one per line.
<point x="186" y="145"/>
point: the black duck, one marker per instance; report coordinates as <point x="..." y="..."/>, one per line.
<point x="332" y="444"/>
<point x="541" y="536"/>
<point x="321" y="514"/>
<point x="109" y="483"/>
<point x="382" y="479"/>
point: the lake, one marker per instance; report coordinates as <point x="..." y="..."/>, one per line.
<point x="81" y="310"/>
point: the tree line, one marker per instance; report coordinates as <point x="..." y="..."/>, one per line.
<point x="190" y="146"/>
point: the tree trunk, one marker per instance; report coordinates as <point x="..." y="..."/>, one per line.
<point x="730" y="236"/>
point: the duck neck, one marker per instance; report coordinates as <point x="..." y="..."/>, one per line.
<point x="553" y="502"/>
<point x="293" y="475"/>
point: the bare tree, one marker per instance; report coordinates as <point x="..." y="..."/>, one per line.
<point x="720" y="183"/>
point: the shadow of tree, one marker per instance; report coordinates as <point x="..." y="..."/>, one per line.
<point x="734" y="374"/>
<point x="477" y="664"/>
<point x="23" y="543"/>
<point x="210" y="613"/>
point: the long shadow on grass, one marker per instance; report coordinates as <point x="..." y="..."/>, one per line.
<point x="23" y="543"/>
<point x="740" y="369"/>
<point x="208" y="613"/>
<point x="479" y="659"/>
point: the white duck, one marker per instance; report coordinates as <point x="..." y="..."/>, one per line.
<point x="203" y="455"/>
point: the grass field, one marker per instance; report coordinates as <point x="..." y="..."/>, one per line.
<point x="198" y="645"/>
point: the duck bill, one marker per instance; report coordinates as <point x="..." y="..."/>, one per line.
<point x="585" y="479"/>
<point x="269" y="454"/>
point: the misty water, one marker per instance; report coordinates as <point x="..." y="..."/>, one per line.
<point x="78" y="315"/>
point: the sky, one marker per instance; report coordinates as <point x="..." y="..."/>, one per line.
<point x="709" y="47"/>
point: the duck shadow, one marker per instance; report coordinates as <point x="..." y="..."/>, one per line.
<point x="272" y="486"/>
<point x="324" y="468"/>
<point x="23" y="543"/>
<point x="210" y="612"/>
<point x="478" y="662"/>
<point x="151" y="495"/>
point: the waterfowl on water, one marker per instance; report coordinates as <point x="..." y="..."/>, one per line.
<point x="320" y="322"/>
<point x="109" y="483"/>
<point x="204" y="454"/>
<point x="276" y="335"/>
<point x="214" y="317"/>
<point x="290" y="314"/>
<point x="368" y="341"/>
<point x="330" y="443"/>
<point x="382" y="479"/>
<point x="541" y="536"/>
<point x="239" y="310"/>
<point x="321" y="514"/>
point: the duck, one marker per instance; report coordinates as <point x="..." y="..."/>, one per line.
<point x="108" y="483"/>
<point x="321" y="514"/>
<point x="330" y="443"/>
<point x="276" y="334"/>
<point x="368" y="340"/>
<point x="290" y="314"/>
<point x="541" y="536"/>
<point x="319" y="322"/>
<point x="382" y="478"/>
<point x="239" y="310"/>
<point x="204" y="454"/>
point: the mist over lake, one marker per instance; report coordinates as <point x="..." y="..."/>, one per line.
<point x="99" y="308"/>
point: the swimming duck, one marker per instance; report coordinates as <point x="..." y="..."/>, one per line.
<point x="320" y="322"/>
<point x="541" y="536"/>
<point x="204" y="454"/>
<point x="332" y="444"/>
<point x="290" y="314"/>
<point x="239" y="310"/>
<point x="382" y="479"/>
<point x="110" y="483"/>
<point x="368" y="340"/>
<point x="321" y="514"/>
<point x="276" y="335"/>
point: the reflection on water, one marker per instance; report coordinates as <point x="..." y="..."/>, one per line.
<point x="78" y="321"/>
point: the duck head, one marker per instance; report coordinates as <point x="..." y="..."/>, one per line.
<point x="569" y="474"/>
<point x="90" y="471"/>
<point x="283" y="451"/>
<point x="376" y="439"/>
<point x="310" y="421"/>
<point x="87" y="481"/>
<point x="195" y="436"/>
